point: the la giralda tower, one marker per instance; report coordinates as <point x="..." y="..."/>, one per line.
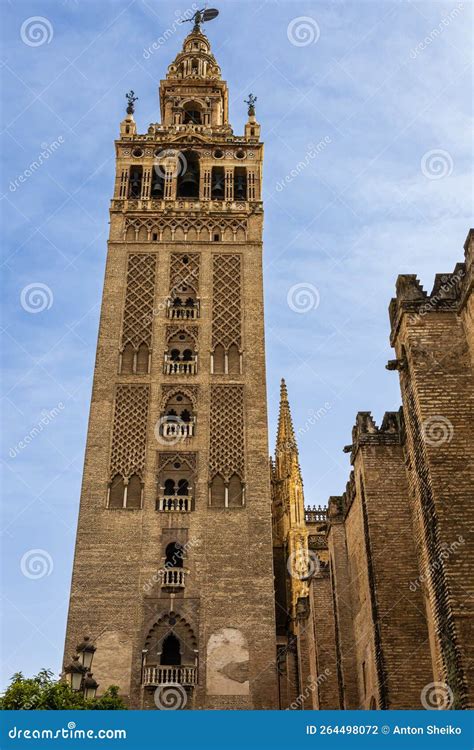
<point x="173" y="580"/>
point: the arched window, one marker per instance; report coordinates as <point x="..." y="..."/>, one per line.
<point x="171" y="651"/>
<point x="174" y="555"/>
<point x="117" y="489"/>
<point x="169" y="486"/>
<point x="234" y="360"/>
<point x="142" y="359"/>
<point x="218" y="492"/>
<point x="235" y="492"/>
<point x="240" y="184"/>
<point x="127" y="359"/>
<point x="157" y="182"/>
<point x="135" y="182"/>
<point x="183" y="487"/>
<point x="134" y="492"/>
<point x="219" y="359"/>
<point x="188" y="180"/>
<point x="218" y="184"/>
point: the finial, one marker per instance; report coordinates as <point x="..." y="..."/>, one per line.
<point x="131" y="99"/>
<point x="251" y="103"/>
<point x="201" y="16"/>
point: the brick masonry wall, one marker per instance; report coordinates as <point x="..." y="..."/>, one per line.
<point x="403" y="633"/>
<point x="326" y="666"/>
<point x="118" y="552"/>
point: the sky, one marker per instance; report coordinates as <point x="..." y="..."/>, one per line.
<point x="366" y="114"/>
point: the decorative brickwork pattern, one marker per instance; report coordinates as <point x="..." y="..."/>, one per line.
<point x="184" y="271"/>
<point x="227" y="431"/>
<point x="191" y="391"/>
<point x="137" y="228"/>
<point x="129" y="430"/>
<point x="139" y="298"/>
<point x="227" y="313"/>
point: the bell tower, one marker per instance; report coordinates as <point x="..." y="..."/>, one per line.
<point x="173" y="577"/>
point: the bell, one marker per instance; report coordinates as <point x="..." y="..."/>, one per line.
<point x="189" y="184"/>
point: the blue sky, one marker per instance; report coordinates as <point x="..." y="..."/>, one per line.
<point x="385" y="87"/>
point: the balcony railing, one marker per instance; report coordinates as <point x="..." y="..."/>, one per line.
<point x="173" y="578"/>
<point x="162" y="675"/>
<point x="183" y="312"/>
<point x="174" y="503"/>
<point x="174" y="428"/>
<point x="178" y="367"/>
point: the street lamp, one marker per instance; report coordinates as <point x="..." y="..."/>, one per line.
<point x="75" y="672"/>
<point x="90" y="687"/>
<point x="86" y="652"/>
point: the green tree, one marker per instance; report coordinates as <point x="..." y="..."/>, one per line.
<point x="43" y="693"/>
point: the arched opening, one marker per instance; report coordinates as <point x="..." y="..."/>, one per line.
<point x="169" y="487"/>
<point x="240" y="184"/>
<point x="235" y="492"/>
<point x="218" y="492"/>
<point x="234" y="360"/>
<point x="188" y="181"/>
<point x="142" y="359"/>
<point x="157" y="182"/>
<point x="219" y="359"/>
<point x="116" y="495"/>
<point x="134" y="492"/>
<point x="174" y="555"/>
<point x="373" y="704"/>
<point x="183" y="487"/>
<point x="192" y="113"/>
<point x="218" y="184"/>
<point x="171" y="651"/>
<point x="135" y="182"/>
<point x="127" y="360"/>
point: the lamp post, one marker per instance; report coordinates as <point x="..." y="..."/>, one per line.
<point x="90" y="687"/>
<point x="75" y="672"/>
<point x="86" y="652"/>
<point x="78" y="671"/>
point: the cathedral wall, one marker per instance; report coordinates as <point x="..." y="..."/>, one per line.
<point x="345" y="631"/>
<point x="324" y="635"/>
<point x="399" y="624"/>
<point x="438" y="392"/>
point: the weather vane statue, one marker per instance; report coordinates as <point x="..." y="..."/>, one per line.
<point x="251" y="102"/>
<point x="201" y="16"/>
<point x="131" y="99"/>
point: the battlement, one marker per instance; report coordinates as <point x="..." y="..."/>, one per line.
<point x="447" y="295"/>
<point x="366" y="431"/>
<point x="313" y="514"/>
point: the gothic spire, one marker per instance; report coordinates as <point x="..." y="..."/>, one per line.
<point x="286" y="447"/>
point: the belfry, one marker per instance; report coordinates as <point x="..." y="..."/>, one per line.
<point x="174" y="543"/>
